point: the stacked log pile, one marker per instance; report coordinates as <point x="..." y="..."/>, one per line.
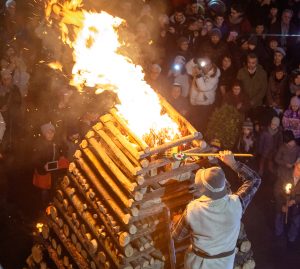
<point x="109" y="210"/>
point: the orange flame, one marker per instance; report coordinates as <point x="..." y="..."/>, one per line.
<point x="98" y="65"/>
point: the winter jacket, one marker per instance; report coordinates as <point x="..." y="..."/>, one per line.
<point x="255" y="85"/>
<point x="280" y="195"/>
<point x="269" y="143"/>
<point x="235" y="100"/>
<point x="291" y="121"/>
<point x="277" y="92"/>
<point x="203" y="90"/>
<point x="286" y="155"/>
<point x="215" y="52"/>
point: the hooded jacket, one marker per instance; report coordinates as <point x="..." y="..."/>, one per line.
<point x="203" y="90"/>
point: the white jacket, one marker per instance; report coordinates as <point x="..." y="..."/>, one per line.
<point x="203" y="90"/>
<point x="215" y="225"/>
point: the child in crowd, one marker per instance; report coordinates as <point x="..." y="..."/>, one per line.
<point x="247" y="143"/>
<point x="291" y="118"/>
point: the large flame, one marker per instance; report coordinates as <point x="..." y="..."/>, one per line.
<point x="98" y="65"/>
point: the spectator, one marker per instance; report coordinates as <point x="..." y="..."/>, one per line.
<point x="48" y="162"/>
<point x="295" y="83"/>
<point x="272" y="16"/>
<point x="277" y="89"/>
<point x="179" y="76"/>
<point x="180" y="103"/>
<point x="254" y="80"/>
<point x="291" y="208"/>
<point x="214" y="48"/>
<point x="193" y="34"/>
<point x="237" y="21"/>
<point x="237" y="98"/>
<point x="228" y="73"/>
<point x="177" y="23"/>
<point x="287" y="154"/>
<point x="291" y="118"/>
<point x="283" y="28"/>
<point x="269" y="142"/>
<point x="219" y="22"/>
<point x="247" y="143"/>
<point x="156" y="79"/>
<point x="195" y="10"/>
<point x="203" y="89"/>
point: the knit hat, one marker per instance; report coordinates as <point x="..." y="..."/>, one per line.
<point x="280" y="50"/>
<point x="215" y="32"/>
<point x="275" y="121"/>
<point x="248" y="124"/>
<point x="211" y="182"/>
<point x="47" y="127"/>
<point x="288" y="136"/>
<point x="295" y="101"/>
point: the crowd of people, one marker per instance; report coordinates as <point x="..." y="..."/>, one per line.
<point x="198" y="54"/>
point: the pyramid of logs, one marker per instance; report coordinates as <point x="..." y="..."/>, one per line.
<point x="108" y="211"/>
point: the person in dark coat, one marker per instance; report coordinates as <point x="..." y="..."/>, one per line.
<point x="288" y="204"/>
<point x="287" y="154"/>
<point x="48" y="162"/>
<point x="180" y="103"/>
<point x="269" y="141"/>
<point x="237" y="98"/>
<point x="214" y="48"/>
<point x="277" y="90"/>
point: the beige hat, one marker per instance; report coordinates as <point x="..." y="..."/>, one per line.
<point x="275" y="121"/>
<point x="211" y="182"/>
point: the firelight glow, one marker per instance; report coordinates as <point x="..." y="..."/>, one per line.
<point x="98" y="65"/>
<point x="288" y="188"/>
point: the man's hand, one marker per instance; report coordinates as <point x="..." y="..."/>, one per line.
<point x="227" y="157"/>
<point x="291" y="203"/>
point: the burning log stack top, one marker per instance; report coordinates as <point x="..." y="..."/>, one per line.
<point x="108" y="209"/>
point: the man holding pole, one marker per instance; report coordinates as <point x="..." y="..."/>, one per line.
<point x="287" y="196"/>
<point x="213" y="220"/>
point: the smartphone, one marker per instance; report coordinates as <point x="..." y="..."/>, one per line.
<point x="52" y="166"/>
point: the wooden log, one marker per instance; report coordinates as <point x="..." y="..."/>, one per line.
<point x="81" y="263"/>
<point x="37" y="253"/>
<point x="103" y="214"/>
<point x="171" y="174"/>
<point x="136" y="265"/>
<point x="125" y="218"/>
<point x="126" y="183"/>
<point x="127" y="202"/>
<point x="59" y="250"/>
<point x="118" y="153"/>
<point x="139" y="141"/>
<point x="177" y="117"/>
<point x="123" y="141"/>
<point x="138" y="245"/>
<point x="172" y="144"/>
<point x="53" y="255"/>
<point x="149" y="258"/>
<point x="76" y="235"/>
<point x="156" y="254"/>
